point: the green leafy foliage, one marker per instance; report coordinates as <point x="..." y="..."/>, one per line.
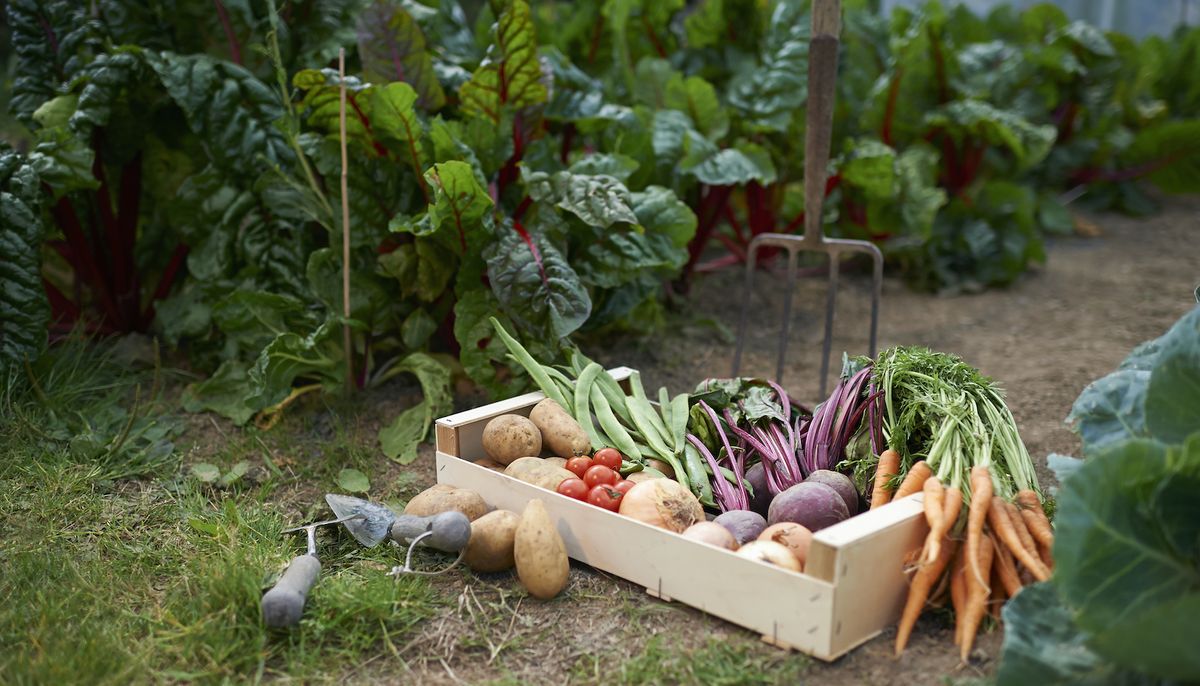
<point x="399" y="440"/>
<point x="24" y="313"/>
<point x="392" y="49"/>
<point x="511" y="75"/>
<point x="1126" y="586"/>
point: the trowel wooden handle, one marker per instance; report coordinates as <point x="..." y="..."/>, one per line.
<point x="450" y="531"/>
<point x="284" y="603"/>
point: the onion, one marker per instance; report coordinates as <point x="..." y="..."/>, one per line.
<point x="661" y="466"/>
<point x="712" y="534"/>
<point x="792" y="536"/>
<point x="770" y="552"/>
<point x="662" y="503"/>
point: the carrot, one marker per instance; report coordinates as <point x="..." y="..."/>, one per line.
<point x="1035" y="518"/>
<point x="935" y="494"/>
<point x="915" y="480"/>
<point x="1047" y="555"/>
<point x="1006" y="569"/>
<point x="889" y="465"/>
<point x="981" y="500"/>
<point x="1018" y="523"/>
<point x="952" y="506"/>
<point x="922" y="582"/>
<point x="996" y="599"/>
<point x="1004" y="529"/>
<point x="977" y="597"/>
<point x="958" y="592"/>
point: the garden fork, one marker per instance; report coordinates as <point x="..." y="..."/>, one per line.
<point x="822" y="82"/>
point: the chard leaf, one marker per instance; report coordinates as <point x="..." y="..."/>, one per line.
<point x="63" y="161"/>
<point x="705" y="26"/>
<point x="769" y="95"/>
<point x="232" y="112"/>
<point x="481" y="350"/>
<point x="1171" y="150"/>
<point x="698" y="99"/>
<point x="399" y="440"/>
<point x="618" y="166"/>
<point x="736" y="166"/>
<point x="534" y="283"/>
<point x="43" y="65"/>
<point x="459" y="200"/>
<point x="316" y="357"/>
<point x="324" y="273"/>
<point x="417" y="328"/>
<point x="322" y="103"/>
<point x="670" y="134"/>
<point x="225" y="392"/>
<point x="24" y="310"/>
<point x="660" y="211"/>
<point x="1028" y="142"/>
<point x="871" y="166"/>
<point x="599" y="201"/>
<point x="394" y="117"/>
<point x="1126" y="527"/>
<point x="514" y="54"/>
<point x="392" y="48"/>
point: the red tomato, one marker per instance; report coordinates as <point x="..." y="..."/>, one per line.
<point x="609" y="457"/>
<point x="578" y="465"/>
<point x="573" y="488"/>
<point x="623" y="486"/>
<point x="605" y="497"/>
<point x="599" y="475"/>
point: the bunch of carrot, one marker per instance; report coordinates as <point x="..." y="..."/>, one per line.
<point x="1006" y="545"/>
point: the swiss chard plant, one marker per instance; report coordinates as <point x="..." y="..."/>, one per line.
<point x="1126" y="587"/>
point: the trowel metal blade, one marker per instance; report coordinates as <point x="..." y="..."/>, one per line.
<point x="374" y="524"/>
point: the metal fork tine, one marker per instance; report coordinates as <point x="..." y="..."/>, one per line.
<point x="787" y="315"/>
<point x="830" y="308"/>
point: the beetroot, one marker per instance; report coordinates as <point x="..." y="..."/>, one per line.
<point x="756" y="476"/>
<point x="840" y="483"/>
<point x="743" y="524"/>
<point x="810" y="504"/>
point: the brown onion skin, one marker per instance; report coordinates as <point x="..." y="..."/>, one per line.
<point x="712" y="534"/>
<point x="795" y="537"/>
<point x="662" y="503"/>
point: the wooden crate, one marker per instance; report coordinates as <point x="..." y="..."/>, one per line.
<point x="852" y="587"/>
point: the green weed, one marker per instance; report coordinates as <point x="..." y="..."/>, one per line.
<point x="717" y="663"/>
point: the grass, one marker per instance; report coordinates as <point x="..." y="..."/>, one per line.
<point x="108" y="579"/>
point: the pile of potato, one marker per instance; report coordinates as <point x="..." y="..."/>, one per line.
<point x="501" y="539"/>
<point x="513" y="444"/>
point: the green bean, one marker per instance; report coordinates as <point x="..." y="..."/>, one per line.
<point x="641" y="412"/>
<point x="615" y="397"/>
<point x="608" y="422"/>
<point x="583" y="406"/>
<point x="650" y="417"/>
<point x="696" y="474"/>
<point x="679" y="419"/>
<point x="532" y="367"/>
<point x="664" y="405"/>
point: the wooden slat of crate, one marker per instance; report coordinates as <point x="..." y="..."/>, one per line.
<point x="852" y="588"/>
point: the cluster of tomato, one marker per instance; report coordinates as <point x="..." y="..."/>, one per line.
<point x="596" y="480"/>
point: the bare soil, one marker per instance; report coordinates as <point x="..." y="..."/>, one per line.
<point x="1062" y="325"/>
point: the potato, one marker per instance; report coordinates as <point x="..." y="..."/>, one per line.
<point x="509" y="436"/>
<point x="556" y="461"/>
<point x="491" y="545"/>
<point x="490" y="464"/>
<point x="560" y="431"/>
<point x="539" y="472"/>
<point x="443" y="498"/>
<point x="540" y="554"/>
<point x="644" y="475"/>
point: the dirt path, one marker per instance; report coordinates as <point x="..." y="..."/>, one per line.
<point x="1043" y="339"/>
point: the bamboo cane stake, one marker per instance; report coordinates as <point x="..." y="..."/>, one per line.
<point x="347" y="344"/>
